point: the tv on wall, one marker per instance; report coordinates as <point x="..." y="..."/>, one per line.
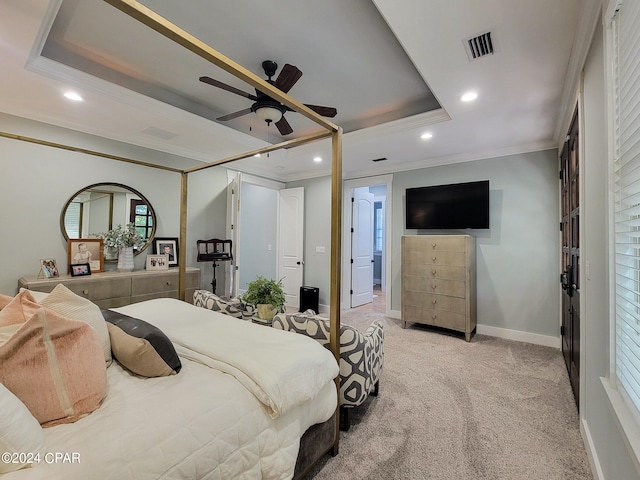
<point x="455" y="206"/>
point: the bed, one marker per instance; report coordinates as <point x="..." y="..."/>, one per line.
<point x="243" y="398"/>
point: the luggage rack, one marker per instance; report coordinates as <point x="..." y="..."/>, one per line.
<point x="214" y="250"/>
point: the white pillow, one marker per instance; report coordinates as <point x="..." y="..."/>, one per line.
<point x="20" y="432"/>
<point x="63" y="301"/>
<point x="37" y="296"/>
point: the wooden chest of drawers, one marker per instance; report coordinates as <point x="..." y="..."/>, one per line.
<point x="115" y="289"/>
<point x="438" y="281"/>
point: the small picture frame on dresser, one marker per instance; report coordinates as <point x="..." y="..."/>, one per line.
<point x="80" y="269"/>
<point x="48" y="268"/>
<point x="167" y="246"/>
<point x="157" y="262"/>
<point x="86" y="250"/>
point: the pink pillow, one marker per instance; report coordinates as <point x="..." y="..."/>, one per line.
<point x="4" y="300"/>
<point x="17" y="309"/>
<point x="54" y="365"/>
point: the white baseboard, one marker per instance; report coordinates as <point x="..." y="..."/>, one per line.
<point x="592" y="453"/>
<point x="505" y="333"/>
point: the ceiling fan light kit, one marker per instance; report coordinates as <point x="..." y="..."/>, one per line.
<point x="268" y="114"/>
<point x="265" y="107"/>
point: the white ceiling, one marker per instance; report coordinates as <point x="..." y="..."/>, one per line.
<point x="377" y="63"/>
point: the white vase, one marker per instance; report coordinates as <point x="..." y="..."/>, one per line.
<point x="125" y="259"/>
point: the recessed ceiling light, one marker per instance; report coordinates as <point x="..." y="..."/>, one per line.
<point x="317" y="159"/>
<point x="257" y="155"/>
<point x="426" y="135"/>
<point x="73" y="96"/>
<point x="469" y="97"/>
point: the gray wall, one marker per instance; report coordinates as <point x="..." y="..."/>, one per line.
<point x="36" y="181"/>
<point x="518" y="257"/>
<point x="317" y="233"/>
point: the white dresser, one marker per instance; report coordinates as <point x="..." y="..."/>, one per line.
<point x="115" y="289"/>
<point x="439" y="281"/>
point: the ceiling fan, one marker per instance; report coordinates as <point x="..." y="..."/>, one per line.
<point x="265" y="107"/>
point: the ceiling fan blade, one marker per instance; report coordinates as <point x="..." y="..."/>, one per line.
<point x="237" y="114"/>
<point x="228" y="88"/>
<point x="283" y="126"/>
<point x="287" y="78"/>
<point x="324" y="111"/>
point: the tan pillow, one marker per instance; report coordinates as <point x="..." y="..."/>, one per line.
<point x="68" y="304"/>
<point x="55" y="366"/>
<point x="137" y="354"/>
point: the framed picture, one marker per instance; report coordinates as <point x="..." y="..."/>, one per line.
<point x="79" y="269"/>
<point x="167" y="246"/>
<point x="49" y="267"/>
<point x="86" y="250"/>
<point x="157" y="262"/>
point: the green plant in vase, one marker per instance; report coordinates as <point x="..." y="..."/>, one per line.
<point x="123" y="240"/>
<point x="267" y="295"/>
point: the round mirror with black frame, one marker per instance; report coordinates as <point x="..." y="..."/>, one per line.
<point x="100" y="207"/>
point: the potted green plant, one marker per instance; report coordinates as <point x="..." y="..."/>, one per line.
<point x="267" y="295"/>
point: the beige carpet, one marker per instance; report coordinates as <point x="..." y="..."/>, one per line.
<point x="489" y="409"/>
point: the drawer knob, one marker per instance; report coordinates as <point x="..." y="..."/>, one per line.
<point x="434" y="302"/>
<point x="85" y="291"/>
<point x="433" y="273"/>
<point x="168" y="283"/>
<point x="433" y="286"/>
<point x="433" y="316"/>
<point x="434" y="259"/>
<point x="434" y="245"/>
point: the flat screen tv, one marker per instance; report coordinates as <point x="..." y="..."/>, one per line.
<point x="456" y="206"/>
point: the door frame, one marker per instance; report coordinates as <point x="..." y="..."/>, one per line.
<point x="347" y="187"/>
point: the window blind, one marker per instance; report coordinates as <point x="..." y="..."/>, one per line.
<point x="626" y="177"/>
<point x="72" y="220"/>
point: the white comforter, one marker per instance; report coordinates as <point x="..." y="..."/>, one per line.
<point x="199" y="424"/>
<point x="259" y="358"/>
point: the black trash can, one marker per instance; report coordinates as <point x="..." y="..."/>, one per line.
<point x="309" y="298"/>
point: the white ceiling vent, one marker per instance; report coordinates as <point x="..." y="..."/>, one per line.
<point x="479" y="46"/>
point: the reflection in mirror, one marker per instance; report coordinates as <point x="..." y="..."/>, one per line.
<point x="101" y="207"/>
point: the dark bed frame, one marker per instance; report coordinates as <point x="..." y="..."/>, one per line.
<point x="316" y="442"/>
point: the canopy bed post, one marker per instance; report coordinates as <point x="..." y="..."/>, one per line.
<point x="336" y="235"/>
<point x="182" y="253"/>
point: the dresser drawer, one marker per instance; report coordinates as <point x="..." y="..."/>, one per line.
<point x="437" y="302"/>
<point x="103" y="289"/>
<point x="430" y="316"/>
<point x="451" y="243"/>
<point x="446" y="287"/>
<point x="435" y="271"/>
<point x="426" y="257"/>
<point x="455" y="321"/>
<point x="144" y="285"/>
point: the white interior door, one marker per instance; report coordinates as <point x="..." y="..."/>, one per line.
<point x="362" y="247"/>
<point x="291" y="243"/>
